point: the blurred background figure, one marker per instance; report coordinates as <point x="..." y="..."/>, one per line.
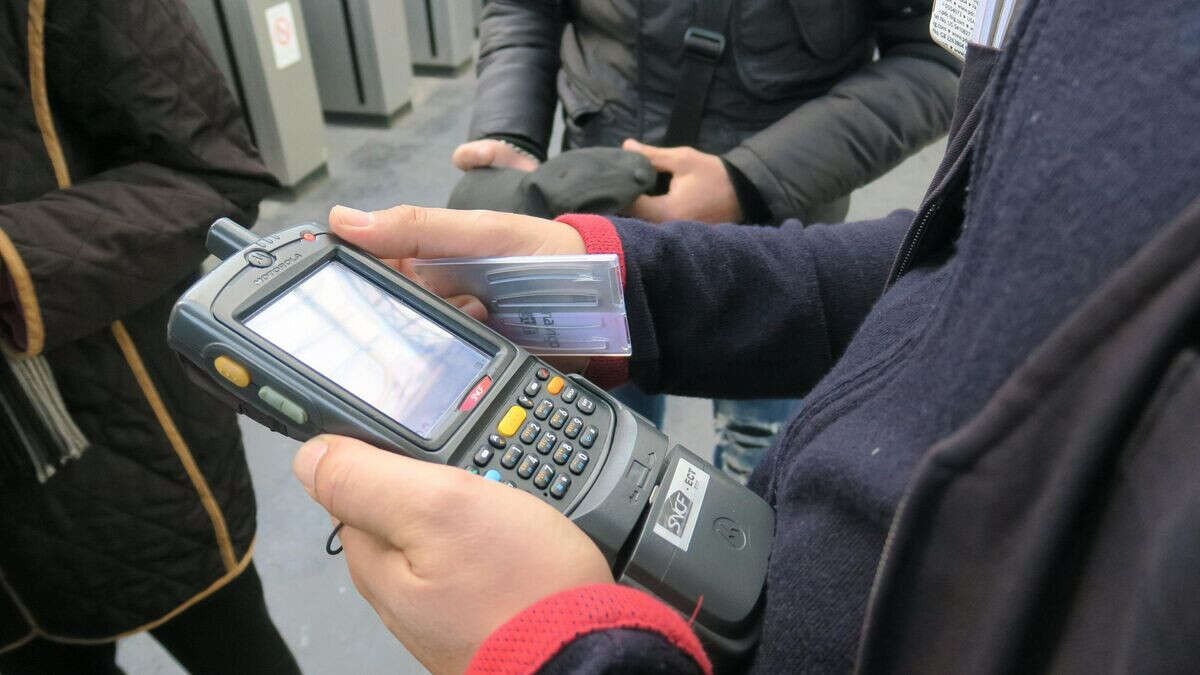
<point x="769" y="110"/>
<point x="126" y="503"/>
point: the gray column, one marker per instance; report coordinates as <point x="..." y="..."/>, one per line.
<point x="360" y="53"/>
<point x="263" y="51"/>
<point x="441" y="33"/>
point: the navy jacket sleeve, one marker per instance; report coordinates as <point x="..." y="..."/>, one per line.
<point x="731" y="310"/>
<point x="620" y="650"/>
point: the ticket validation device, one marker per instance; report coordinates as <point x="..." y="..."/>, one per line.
<point x="307" y="335"/>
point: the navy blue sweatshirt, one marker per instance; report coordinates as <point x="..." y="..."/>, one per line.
<point x="1086" y="145"/>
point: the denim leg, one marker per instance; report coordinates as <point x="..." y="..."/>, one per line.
<point x="650" y="406"/>
<point x="745" y="430"/>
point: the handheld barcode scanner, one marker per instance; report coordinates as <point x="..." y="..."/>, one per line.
<point x="308" y="335"/>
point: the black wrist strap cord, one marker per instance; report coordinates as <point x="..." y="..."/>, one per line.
<point x="329" y="543"/>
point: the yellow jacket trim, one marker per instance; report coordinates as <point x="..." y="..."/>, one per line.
<point x="31" y="311"/>
<point x="125" y="342"/>
<point x="182" y="607"/>
<point x="36" y="28"/>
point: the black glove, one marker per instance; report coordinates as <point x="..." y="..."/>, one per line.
<point x="588" y="180"/>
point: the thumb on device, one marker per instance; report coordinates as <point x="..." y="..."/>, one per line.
<point x="370" y="489"/>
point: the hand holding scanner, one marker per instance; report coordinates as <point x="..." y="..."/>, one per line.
<point x="309" y="335"/>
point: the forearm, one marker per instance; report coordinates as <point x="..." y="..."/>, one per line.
<point x="744" y="311"/>
<point x="864" y="126"/>
<point x="518" y="64"/>
<point x="87" y="255"/>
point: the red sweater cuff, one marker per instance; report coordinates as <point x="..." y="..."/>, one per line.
<point x="599" y="236"/>
<point x="598" y="233"/>
<point x="528" y="640"/>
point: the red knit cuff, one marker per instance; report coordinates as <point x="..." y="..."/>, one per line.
<point x="528" y="640"/>
<point x="599" y="235"/>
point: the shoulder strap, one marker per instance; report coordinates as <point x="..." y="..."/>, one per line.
<point x="703" y="46"/>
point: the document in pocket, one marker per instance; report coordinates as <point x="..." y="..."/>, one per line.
<point x="956" y="23"/>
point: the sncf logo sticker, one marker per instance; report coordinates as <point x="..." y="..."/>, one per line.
<point x="676" y="520"/>
<point x="675" y="516"/>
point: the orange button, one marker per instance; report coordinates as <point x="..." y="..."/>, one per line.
<point x="511" y="421"/>
<point x="232" y="371"/>
<point x="555" y="385"/>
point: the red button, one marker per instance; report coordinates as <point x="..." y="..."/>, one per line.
<point x="309" y="236"/>
<point x="476" y="393"/>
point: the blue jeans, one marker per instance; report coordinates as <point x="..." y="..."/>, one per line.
<point x="650" y="406"/>
<point x="746" y="429"/>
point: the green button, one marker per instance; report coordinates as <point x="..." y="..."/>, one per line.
<point x="284" y="405"/>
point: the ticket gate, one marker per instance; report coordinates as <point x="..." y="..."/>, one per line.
<point x="262" y="49"/>
<point x="441" y="33"/>
<point x="360" y="52"/>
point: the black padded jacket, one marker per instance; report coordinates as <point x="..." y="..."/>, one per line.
<point x="119" y="144"/>
<point x="798" y="104"/>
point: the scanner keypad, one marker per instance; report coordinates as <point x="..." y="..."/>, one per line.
<point x="543" y="451"/>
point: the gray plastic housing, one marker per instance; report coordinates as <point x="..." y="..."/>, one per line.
<point x="611" y="502"/>
<point x="730" y="540"/>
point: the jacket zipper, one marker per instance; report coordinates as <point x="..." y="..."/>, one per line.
<point x="910" y="246"/>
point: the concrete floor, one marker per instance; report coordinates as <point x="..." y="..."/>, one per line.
<point x="329" y="627"/>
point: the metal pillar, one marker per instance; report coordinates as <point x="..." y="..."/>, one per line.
<point x="262" y="49"/>
<point x="360" y="53"/>
<point x="441" y="33"/>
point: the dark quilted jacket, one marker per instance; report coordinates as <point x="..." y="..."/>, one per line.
<point x="119" y="143"/>
<point x="797" y="104"/>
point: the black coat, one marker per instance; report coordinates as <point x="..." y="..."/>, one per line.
<point x="796" y="104"/>
<point x="119" y="145"/>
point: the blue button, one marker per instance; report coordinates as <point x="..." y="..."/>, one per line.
<point x="492" y="474"/>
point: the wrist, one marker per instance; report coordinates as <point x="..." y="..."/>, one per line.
<point x="527" y="641"/>
<point x="750" y="203"/>
<point x="521" y="145"/>
<point x="600" y="236"/>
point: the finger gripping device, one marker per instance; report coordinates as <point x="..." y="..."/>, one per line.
<point x="309" y="335"/>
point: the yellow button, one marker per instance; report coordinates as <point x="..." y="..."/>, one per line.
<point x="512" y="421"/>
<point x="232" y="371"/>
<point x="555" y="385"/>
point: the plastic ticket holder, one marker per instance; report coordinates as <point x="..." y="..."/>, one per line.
<point x="568" y="305"/>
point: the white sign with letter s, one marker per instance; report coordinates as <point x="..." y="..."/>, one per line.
<point x="281" y="26"/>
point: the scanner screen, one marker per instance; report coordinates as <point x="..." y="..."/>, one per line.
<point x="373" y="346"/>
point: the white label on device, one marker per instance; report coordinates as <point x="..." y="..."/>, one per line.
<point x="685" y="497"/>
<point x="952" y="24"/>
<point x="281" y="25"/>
